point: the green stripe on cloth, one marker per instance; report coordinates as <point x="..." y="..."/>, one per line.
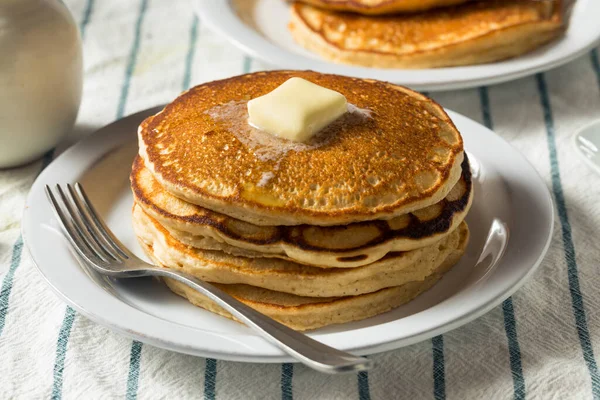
<point x="287" y="376"/>
<point x="210" y="379"/>
<point x="595" y="64"/>
<point x="569" y="248"/>
<point x="439" y="369"/>
<point x="484" y="101"/>
<point x="133" y="377"/>
<point x="136" y="347"/>
<point x="514" y="350"/>
<point x="69" y="318"/>
<point x="7" y="283"/>
<point x="87" y="16"/>
<point x="363" y="386"/>
<point x="132" y="59"/>
<point x="15" y="261"/>
<point x="61" y="351"/>
<point x="189" y="59"/>
<point x="510" y="324"/>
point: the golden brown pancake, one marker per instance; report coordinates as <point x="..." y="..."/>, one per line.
<point x="285" y="276"/>
<point x="345" y="246"/>
<point x="471" y="33"/>
<point x="397" y="153"/>
<point x="304" y="313"/>
<point x="379" y="7"/>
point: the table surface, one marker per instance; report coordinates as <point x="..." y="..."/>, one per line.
<point x="540" y="343"/>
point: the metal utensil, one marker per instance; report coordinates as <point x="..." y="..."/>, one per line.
<point x="97" y="246"/>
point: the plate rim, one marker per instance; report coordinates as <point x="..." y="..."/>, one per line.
<point x="221" y="18"/>
<point x="276" y="356"/>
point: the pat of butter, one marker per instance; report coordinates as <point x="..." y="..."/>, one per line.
<point x="296" y="110"/>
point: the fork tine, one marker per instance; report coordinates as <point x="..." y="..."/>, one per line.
<point x="81" y="229"/>
<point x="100" y="225"/>
<point x="91" y="225"/>
<point x="80" y="246"/>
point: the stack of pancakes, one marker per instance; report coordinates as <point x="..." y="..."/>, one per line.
<point x="426" y="33"/>
<point x="362" y="218"/>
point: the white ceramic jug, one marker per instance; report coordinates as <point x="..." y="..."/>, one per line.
<point x="40" y="77"/>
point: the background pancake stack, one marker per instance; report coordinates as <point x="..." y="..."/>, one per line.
<point x="361" y="219"/>
<point x="428" y="33"/>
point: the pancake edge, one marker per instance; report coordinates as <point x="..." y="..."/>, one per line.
<point x="493" y="46"/>
<point x="340" y="310"/>
<point x="260" y="214"/>
<point x="292" y="251"/>
<point x="288" y="276"/>
<point x="384" y="7"/>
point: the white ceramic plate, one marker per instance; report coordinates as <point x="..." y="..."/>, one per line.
<point x="506" y="187"/>
<point x="259" y="28"/>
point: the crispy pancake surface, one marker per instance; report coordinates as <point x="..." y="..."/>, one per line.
<point x="345" y="246"/>
<point x="378" y="7"/>
<point x="285" y="276"/>
<point x="394" y="152"/>
<point x="304" y="313"/>
<point x="471" y="33"/>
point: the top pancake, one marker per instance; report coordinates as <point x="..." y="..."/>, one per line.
<point x="405" y="155"/>
<point x="471" y="33"/>
<point x="379" y="7"/>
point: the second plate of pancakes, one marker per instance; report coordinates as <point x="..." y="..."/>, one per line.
<point x="260" y="28"/>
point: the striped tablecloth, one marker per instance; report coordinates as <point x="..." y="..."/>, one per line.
<point x="541" y="343"/>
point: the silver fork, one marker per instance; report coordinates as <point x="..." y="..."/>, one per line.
<point x="97" y="246"/>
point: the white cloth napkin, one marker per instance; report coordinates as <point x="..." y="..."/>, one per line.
<point x="542" y="343"/>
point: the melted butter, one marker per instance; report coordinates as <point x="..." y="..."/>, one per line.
<point x="233" y="116"/>
<point x="255" y="194"/>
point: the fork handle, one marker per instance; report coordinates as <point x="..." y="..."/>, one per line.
<point x="308" y="351"/>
